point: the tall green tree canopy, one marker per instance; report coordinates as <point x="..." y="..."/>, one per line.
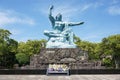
<point x="8" y="49"/>
<point x="111" y="46"/>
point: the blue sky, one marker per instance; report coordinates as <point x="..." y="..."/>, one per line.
<point x="27" y="19"/>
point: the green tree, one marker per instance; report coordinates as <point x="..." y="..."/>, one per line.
<point x="29" y="48"/>
<point x="8" y="49"/>
<point x="87" y="46"/>
<point x="4" y="37"/>
<point x="22" y="58"/>
<point x="111" y="46"/>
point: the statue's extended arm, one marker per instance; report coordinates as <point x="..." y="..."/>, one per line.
<point x="51" y="17"/>
<point x="75" y="23"/>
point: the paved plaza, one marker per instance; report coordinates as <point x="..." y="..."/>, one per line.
<point x="71" y="77"/>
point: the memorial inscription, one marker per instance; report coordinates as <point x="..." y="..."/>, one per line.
<point x="50" y="52"/>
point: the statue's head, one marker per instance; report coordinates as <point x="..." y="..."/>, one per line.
<point x="58" y="17"/>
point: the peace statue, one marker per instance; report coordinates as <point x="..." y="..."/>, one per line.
<point x="62" y="35"/>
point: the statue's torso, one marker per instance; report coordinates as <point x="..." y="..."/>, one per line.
<point x="61" y="35"/>
<point x="59" y="25"/>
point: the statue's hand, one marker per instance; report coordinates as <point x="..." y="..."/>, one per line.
<point x="81" y="23"/>
<point x="51" y="7"/>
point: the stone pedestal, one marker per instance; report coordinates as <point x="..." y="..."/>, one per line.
<point x="73" y="57"/>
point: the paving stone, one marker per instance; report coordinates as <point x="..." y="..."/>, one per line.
<point x="57" y="77"/>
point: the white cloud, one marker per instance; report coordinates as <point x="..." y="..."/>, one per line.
<point x="10" y="17"/>
<point x="114" y="10"/>
<point x="85" y="7"/>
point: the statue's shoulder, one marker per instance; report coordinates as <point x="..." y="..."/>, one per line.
<point x="60" y="22"/>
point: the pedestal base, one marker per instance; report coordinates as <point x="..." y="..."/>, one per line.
<point x="73" y="57"/>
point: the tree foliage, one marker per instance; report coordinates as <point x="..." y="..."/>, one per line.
<point x="27" y="49"/>
<point x="111" y="47"/>
<point x="22" y="58"/>
<point x="8" y="49"/>
<point x="87" y="46"/>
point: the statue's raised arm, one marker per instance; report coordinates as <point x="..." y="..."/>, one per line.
<point x="52" y="20"/>
<point x="51" y="7"/>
